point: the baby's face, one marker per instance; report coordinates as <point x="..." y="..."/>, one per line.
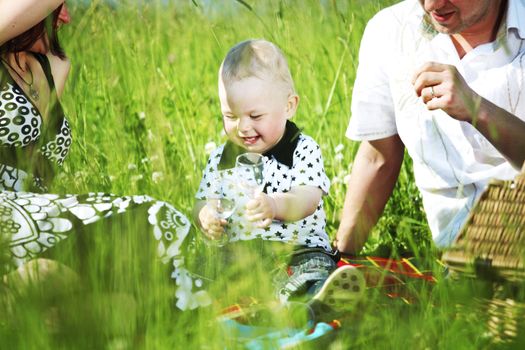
<point x="255" y="112"/>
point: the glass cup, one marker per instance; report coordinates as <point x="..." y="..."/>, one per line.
<point x="221" y="202"/>
<point x="250" y="172"/>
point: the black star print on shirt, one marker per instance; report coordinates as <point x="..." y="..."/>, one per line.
<point x="307" y="169"/>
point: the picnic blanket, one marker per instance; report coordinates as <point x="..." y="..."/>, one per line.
<point x="392" y="276"/>
<point x="245" y="326"/>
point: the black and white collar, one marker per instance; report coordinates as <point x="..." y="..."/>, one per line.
<point x="282" y="151"/>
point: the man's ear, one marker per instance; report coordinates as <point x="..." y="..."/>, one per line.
<point x="291" y="106"/>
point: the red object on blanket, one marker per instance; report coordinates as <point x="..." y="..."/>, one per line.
<point x="389" y="274"/>
<point x="403" y="267"/>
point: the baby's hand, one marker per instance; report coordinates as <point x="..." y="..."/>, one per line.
<point x="261" y="209"/>
<point x="212" y="226"/>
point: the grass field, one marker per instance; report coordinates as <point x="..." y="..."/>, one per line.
<point x="142" y="101"/>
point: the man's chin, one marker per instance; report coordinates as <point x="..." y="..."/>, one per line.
<point x="444" y="30"/>
<point x="439" y="27"/>
<point x="449" y="30"/>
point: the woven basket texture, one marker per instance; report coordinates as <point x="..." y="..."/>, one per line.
<point x="491" y="243"/>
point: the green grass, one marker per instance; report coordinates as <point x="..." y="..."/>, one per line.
<point x="142" y="101"/>
<point x="160" y="63"/>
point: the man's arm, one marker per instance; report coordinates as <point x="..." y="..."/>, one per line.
<point x="503" y="130"/>
<point x="374" y="175"/>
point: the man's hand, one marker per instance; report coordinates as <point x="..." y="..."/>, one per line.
<point x="261" y="209"/>
<point x="441" y="86"/>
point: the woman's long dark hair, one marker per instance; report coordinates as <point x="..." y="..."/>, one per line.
<point x="27" y="39"/>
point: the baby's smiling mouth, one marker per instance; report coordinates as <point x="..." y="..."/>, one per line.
<point x="250" y="140"/>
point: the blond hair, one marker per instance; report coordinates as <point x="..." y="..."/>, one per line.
<point x="256" y="58"/>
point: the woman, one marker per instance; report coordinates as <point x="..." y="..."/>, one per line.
<point x="35" y="139"/>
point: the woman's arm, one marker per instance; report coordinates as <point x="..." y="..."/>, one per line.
<point x="17" y="16"/>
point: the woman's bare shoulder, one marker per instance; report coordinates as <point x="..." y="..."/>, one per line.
<point x="60" y="70"/>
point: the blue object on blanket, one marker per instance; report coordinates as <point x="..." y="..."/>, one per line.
<point x="261" y="338"/>
<point x="320" y="330"/>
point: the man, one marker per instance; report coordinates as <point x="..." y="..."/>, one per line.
<point x="444" y="79"/>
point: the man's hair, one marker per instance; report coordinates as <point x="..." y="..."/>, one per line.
<point x="256" y="58"/>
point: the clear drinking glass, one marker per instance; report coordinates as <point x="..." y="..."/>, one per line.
<point x="221" y="201"/>
<point x="250" y="172"/>
<point x="222" y="207"/>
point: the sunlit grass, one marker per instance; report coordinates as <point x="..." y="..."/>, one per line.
<point x="142" y="101"/>
<point x="143" y="93"/>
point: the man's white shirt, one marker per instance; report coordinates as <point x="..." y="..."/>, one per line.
<point x="453" y="162"/>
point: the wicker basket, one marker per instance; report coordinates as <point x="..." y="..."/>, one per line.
<point x="491" y="246"/>
<point x="492" y="242"/>
<point x="505" y="319"/>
